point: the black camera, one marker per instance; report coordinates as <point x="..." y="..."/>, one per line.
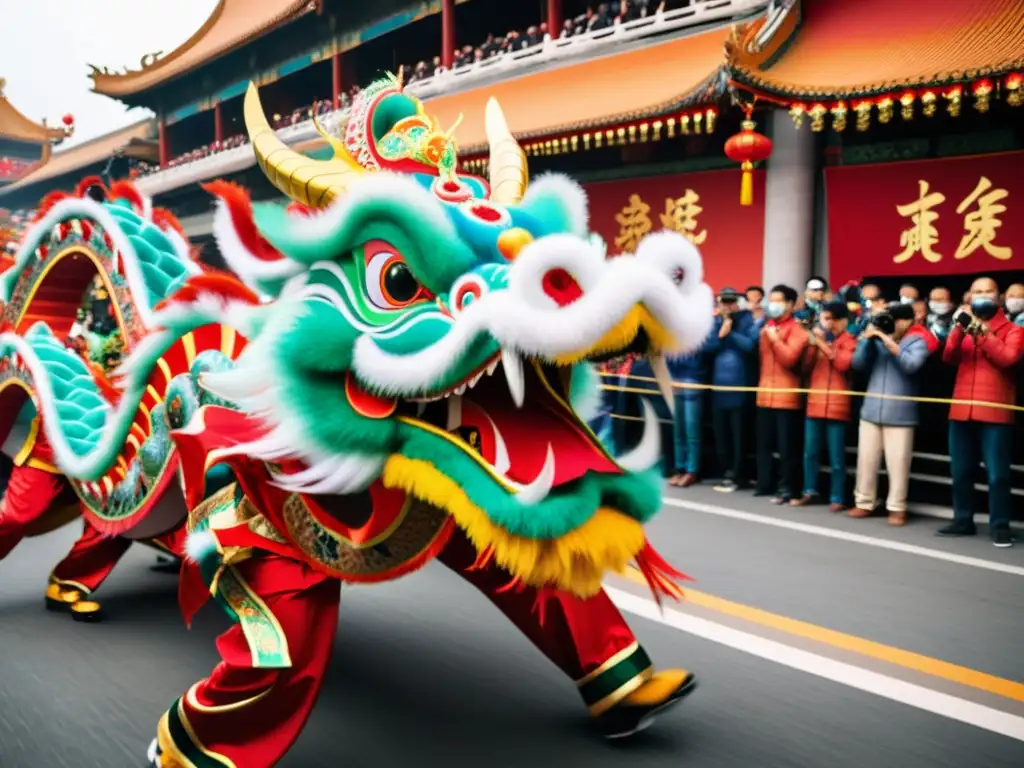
<point x="884" y="322"/>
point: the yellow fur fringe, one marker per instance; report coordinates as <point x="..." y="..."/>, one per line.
<point x="575" y="562"/>
<point x="622" y="335"/>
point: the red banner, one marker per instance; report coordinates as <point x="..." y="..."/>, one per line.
<point x="703" y="206"/>
<point x="926" y="217"/>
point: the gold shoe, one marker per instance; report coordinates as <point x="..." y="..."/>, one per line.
<point x="86" y="611"/>
<point x="639" y="709"/>
<point x="60" y="598"/>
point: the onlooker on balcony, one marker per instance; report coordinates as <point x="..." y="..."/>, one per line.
<point x="828" y="360"/>
<point x="986" y="347"/>
<point x="892" y="354"/>
<point x="782" y="345"/>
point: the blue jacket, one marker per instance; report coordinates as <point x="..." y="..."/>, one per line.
<point x="891" y="375"/>
<point x="691" y="368"/>
<point x="732" y="358"/>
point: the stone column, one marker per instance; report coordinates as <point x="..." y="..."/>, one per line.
<point x="789" y="204"/>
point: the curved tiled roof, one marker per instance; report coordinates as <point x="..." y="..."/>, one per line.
<point x="16" y="127"/>
<point x="232" y="24"/>
<point x="870" y="46"/>
<point x="85" y="154"/>
<point x="610" y="90"/>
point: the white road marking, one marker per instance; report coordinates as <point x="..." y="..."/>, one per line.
<point x="855" y="538"/>
<point x="917" y="696"/>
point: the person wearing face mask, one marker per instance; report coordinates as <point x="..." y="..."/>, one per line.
<point x="828" y="361"/>
<point x="908" y="294"/>
<point x="731" y="348"/>
<point x="891" y="351"/>
<point x="940" y="312"/>
<point x="985" y="352"/>
<point x="782" y="345"/>
<point x="1015" y="304"/>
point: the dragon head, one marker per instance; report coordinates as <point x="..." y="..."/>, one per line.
<point x="433" y="332"/>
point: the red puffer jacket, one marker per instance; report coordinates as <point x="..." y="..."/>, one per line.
<point x="986" y="370"/>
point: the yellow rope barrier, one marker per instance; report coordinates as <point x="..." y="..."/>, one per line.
<point x="800" y="391"/>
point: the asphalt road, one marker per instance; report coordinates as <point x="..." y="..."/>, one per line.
<point x="426" y="672"/>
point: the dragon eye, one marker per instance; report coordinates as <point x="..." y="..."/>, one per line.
<point x="390" y="284"/>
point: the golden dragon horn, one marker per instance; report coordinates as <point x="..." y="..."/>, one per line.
<point x="509" y="172"/>
<point x="315" y="183"/>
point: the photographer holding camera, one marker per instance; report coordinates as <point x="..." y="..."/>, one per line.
<point x="985" y="346"/>
<point x="891" y="351"/>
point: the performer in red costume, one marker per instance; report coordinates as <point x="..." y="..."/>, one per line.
<point x="358" y="459"/>
<point x="38" y="498"/>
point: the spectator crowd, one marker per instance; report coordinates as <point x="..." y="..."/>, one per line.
<point x="802" y="369"/>
<point x="595" y="18"/>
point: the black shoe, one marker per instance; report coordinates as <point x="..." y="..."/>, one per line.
<point x="957" y="528"/>
<point x="625" y="720"/>
<point x="1002" y="537"/>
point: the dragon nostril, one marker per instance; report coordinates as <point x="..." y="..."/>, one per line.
<point x="561" y="286"/>
<point x="678" y="275"/>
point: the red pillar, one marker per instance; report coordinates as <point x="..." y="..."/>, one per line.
<point x="218" y="124"/>
<point x="447" y="33"/>
<point x="554" y="18"/>
<point x="165" y="155"/>
<point x="336" y="79"/>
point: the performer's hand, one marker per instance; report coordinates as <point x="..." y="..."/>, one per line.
<point x="772" y="332"/>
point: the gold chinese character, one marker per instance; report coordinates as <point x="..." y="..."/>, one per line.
<point x="981" y="224"/>
<point x="681" y="216"/>
<point x="634" y="223"/>
<point x="923" y="235"/>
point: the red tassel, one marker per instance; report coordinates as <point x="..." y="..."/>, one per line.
<point x="482" y="560"/>
<point x="659" y="575"/>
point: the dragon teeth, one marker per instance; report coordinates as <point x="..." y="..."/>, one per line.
<point x="492" y="367"/>
<point x="473" y="382"/>
<point x="460" y="390"/>
<point x="513" y="366"/>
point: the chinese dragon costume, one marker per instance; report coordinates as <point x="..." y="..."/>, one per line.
<point x="413" y="387"/>
<point x="57" y="407"/>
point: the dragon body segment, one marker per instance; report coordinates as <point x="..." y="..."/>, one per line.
<point x="111" y="441"/>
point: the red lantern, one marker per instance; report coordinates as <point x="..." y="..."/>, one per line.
<point x="748" y="147"/>
<point x="68" y="119"/>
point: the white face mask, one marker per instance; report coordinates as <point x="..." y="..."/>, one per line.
<point x="1015" y="305"/>
<point x="906" y="300"/>
<point x="940" y="307"/>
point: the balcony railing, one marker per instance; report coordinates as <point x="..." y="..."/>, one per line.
<point x="549" y="53"/>
<point x="584" y="46"/>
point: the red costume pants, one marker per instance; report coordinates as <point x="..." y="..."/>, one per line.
<point x="248" y="717"/>
<point x="30" y="493"/>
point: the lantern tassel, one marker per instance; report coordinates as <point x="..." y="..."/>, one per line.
<point x="747" y="184"/>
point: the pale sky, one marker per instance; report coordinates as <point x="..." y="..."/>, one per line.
<point x="48" y="45"/>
